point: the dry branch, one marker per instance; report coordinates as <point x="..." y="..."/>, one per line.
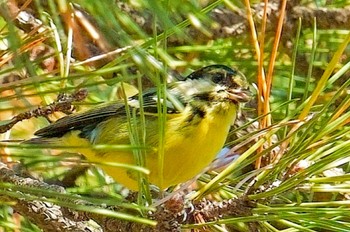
<point x="49" y="216"/>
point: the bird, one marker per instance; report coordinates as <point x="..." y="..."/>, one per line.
<point x="200" y="110"/>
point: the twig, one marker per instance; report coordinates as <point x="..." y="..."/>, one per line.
<point x="47" y="216"/>
<point x="62" y="104"/>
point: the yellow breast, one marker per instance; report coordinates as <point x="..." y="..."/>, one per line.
<point x="191" y="143"/>
<point x="188" y="150"/>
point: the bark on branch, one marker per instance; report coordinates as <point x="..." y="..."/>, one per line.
<point x="170" y="216"/>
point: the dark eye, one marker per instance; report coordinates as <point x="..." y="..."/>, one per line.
<point x="217" y="78"/>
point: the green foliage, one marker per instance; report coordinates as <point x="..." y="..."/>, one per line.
<point x="304" y="189"/>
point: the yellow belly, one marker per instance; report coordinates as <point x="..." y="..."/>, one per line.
<point x="190" y="150"/>
<point x="187" y="149"/>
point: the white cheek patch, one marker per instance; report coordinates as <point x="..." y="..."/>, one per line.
<point x="219" y="88"/>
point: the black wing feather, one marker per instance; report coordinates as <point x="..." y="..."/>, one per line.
<point x="79" y="121"/>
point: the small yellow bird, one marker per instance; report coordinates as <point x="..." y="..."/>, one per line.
<point x="193" y="134"/>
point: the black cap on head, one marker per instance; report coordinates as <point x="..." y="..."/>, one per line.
<point x="200" y="73"/>
<point x="222" y="75"/>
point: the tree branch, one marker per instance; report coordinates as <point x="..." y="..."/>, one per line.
<point x="47" y="216"/>
<point x="170" y="216"/>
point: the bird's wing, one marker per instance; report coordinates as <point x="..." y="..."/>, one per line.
<point x="80" y="121"/>
<point x="88" y="120"/>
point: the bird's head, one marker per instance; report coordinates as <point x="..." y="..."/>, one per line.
<point x="214" y="83"/>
